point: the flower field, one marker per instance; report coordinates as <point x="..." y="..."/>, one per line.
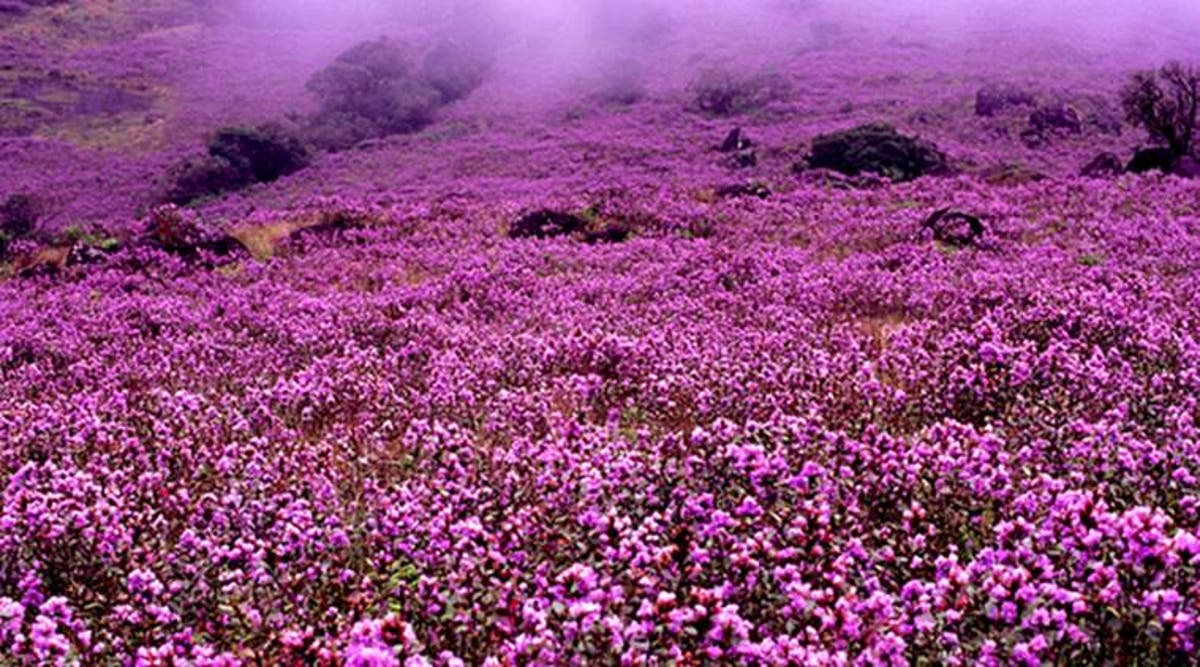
<point x="779" y="430"/>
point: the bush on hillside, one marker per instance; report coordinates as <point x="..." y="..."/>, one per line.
<point x="1165" y="103"/>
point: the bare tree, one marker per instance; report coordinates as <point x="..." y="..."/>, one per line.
<point x="1165" y="104"/>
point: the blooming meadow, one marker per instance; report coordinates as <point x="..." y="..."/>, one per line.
<point x="788" y="428"/>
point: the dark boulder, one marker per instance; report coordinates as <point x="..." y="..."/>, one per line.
<point x="736" y="140"/>
<point x="1104" y="164"/>
<point x="546" y="223"/>
<point x="955" y="228"/>
<point x="1151" y="159"/>
<point x="878" y="149"/>
<point x="994" y="99"/>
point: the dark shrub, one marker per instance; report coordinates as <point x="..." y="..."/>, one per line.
<point x="1165" y="104"/>
<point x="18" y="215"/>
<point x="994" y="99"/>
<point x="1104" y="164"/>
<point x="453" y="70"/>
<point x="260" y="154"/>
<point x="369" y="92"/>
<point x="237" y="157"/>
<point x="345" y="87"/>
<point x="722" y="92"/>
<point x="409" y="105"/>
<point x="382" y="58"/>
<point x="546" y="223"/>
<point x="339" y="130"/>
<point x="879" y="149"/>
<point x="202" y="177"/>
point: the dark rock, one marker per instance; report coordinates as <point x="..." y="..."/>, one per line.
<point x="18" y="215"/>
<point x="736" y="140"/>
<point x="1151" y="159"/>
<point x="878" y="149"/>
<point x="955" y="228"/>
<point x="994" y="99"/>
<point x="546" y="223"/>
<point x="736" y="190"/>
<point x="1104" y="164"/>
<point x="1058" y="118"/>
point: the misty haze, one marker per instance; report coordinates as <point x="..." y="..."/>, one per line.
<point x="609" y="332"/>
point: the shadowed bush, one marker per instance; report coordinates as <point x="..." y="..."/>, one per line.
<point x="879" y="149"/>
<point x="1164" y="103"/>
<point x="260" y="154"/>
<point x="200" y="178"/>
<point x="372" y="90"/>
<point x="237" y="157"/>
